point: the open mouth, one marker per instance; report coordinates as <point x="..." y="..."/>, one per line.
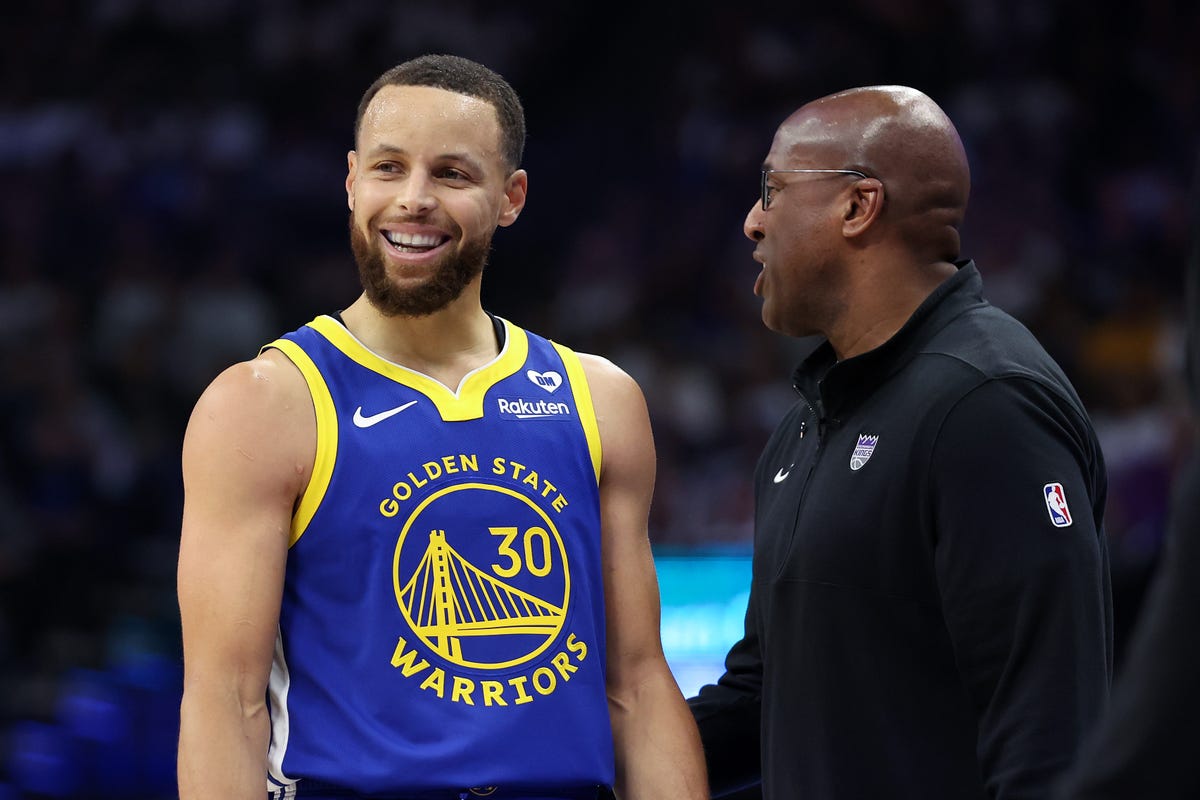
<point x="415" y="243"/>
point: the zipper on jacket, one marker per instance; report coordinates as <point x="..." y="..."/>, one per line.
<point x="820" y="445"/>
<point x="812" y="467"/>
<point x="811" y="409"/>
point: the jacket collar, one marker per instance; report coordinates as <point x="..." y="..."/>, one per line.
<point x="834" y="388"/>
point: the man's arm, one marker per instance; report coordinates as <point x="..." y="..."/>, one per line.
<point x="729" y="712"/>
<point x="247" y="455"/>
<point x="1025" y="595"/>
<point x="657" y="748"/>
<point x="729" y="715"/>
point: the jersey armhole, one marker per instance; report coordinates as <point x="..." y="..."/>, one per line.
<point x="583" y="402"/>
<point x="327" y="436"/>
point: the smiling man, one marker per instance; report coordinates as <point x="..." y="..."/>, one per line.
<point x="414" y="560"/>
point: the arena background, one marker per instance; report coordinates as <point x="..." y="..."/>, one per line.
<point x="171" y="186"/>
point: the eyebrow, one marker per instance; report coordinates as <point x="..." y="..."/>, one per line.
<point x="391" y="149"/>
<point x="385" y="149"/>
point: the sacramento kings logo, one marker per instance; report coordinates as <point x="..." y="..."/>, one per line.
<point x="863" y="450"/>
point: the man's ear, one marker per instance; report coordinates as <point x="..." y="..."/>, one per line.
<point x="515" y="189"/>
<point x="351" y="172"/>
<point x="865" y="206"/>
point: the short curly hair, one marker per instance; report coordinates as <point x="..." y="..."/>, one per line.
<point x="457" y="74"/>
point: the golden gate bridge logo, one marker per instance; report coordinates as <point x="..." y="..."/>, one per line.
<point x="449" y="598"/>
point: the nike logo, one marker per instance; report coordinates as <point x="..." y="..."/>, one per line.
<point x="781" y="476"/>
<point x="366" y="422"/>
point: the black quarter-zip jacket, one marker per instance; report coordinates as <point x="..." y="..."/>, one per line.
<point x="930" y="613"/>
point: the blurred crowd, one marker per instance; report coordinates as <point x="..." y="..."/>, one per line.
<point x="171" y="198"/>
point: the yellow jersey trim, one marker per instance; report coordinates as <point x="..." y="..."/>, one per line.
<point x="583" y="402"/>
<point x="327" y="437"/>
<point x="467" y="402"/>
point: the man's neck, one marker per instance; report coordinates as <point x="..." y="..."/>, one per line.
<point x="445" y="345"/>
<point x="878" y="308"/>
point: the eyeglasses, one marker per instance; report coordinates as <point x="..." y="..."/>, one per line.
<point x="767" y="190"/>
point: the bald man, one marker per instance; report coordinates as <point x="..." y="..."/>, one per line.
<point x="930" y="613"/>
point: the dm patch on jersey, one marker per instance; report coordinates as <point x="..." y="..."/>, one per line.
<point x="863" y="450"/>
<point x="549" y="380"/>
<point x="1056" y="504"/>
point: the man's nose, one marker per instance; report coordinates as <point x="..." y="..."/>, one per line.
<point x="752" y="227"/>
<point x="415" y="194"/>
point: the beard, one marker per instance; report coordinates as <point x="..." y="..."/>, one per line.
<point x="452" y="273"/>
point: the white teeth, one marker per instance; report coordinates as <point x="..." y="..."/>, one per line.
<point x="411" y="239"/>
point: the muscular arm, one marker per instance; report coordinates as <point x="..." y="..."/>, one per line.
<point x="246" y="458"/>
<point x="1027" y="604"/>
<point x="657" y="748"/>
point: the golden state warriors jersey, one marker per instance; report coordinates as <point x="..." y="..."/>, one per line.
<point x="442" y="624"/>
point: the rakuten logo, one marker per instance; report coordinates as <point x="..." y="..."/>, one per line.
<point x="520" y="408"/>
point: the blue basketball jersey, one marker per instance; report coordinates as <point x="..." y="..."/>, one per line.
<point x="442" y="625"/>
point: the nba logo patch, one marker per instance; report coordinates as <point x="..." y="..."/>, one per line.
<point x="863" y="450"/>
<point x="1056" y="504"/>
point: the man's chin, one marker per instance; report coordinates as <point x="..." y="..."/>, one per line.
<point x="411" y="304"/>
<point x="432" y="287"/>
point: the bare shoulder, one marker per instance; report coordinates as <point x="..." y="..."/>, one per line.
<point x="267" y="391"/>
<point x="612" y="388"/>
<point x="627" y="443"/>
<point x="256" y="415"/>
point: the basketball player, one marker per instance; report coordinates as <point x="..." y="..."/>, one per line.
<point x="414" y="559"/>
